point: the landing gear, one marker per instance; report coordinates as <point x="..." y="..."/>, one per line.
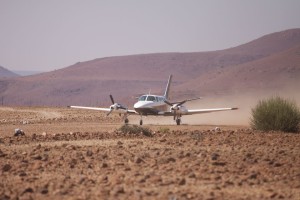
<point x="126" y="121"/>
<point x="178" y="120"/>
<point x="141" y="120"/>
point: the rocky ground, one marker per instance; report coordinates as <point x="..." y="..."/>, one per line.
<point x="78" y="154"/>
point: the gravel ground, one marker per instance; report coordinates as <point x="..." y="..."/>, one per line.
<point x="76" y="154"/>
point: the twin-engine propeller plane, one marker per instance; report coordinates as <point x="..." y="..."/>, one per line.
<point x="155" y="105"/>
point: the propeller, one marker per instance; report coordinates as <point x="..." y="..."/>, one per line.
<point x="175" y="106"/>
<point x="114" y="106"/>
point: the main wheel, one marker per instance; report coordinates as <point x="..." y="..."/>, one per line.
<point x="126" y="121"/>
<point x="178" y="121"/>
<point x="141" y="122"/>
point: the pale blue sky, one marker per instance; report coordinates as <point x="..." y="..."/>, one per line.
<point x="50" y="34"/>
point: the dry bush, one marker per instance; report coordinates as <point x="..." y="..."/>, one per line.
<point x="276" y="114"/>
<point x="134" y="129"/>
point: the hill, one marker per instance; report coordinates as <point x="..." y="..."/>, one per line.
<point x="275" y="73"/>
<point x="5" y="73"/>
<point x="248" y="66"/>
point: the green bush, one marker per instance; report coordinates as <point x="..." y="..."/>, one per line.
<point x="134" y="129"/>
<point x="276" y="114"/>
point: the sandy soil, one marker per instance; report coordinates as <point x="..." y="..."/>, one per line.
<point x="78" y="154"/>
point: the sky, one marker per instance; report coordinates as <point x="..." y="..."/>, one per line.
<point x="45" y="35"/>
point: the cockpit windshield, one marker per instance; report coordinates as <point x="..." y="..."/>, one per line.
<point x="143" y="98"/>
<point x="150" y="98"/>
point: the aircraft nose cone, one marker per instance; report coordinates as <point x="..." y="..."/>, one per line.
<point x="138" y="105"/>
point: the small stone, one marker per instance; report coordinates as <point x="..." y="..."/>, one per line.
<point x="217" y="129"/>
<point x="19" y="132"/>
<point x="23" y="174"/>
<point x="89" y="153"/>
<point x="44" y="134"/>
<point x="214" y="156"/>
<point x="104" y="165"/>
<point x="118" y="190"/>
<point x="6" y="167"/>
<point x="29" y="190"/>
<point x="171" y="159"/>
<point x="2" y="154"/>
<point x="182" y="182"/>
<point x="138" y="160"/>
<point x="44" y="191"/>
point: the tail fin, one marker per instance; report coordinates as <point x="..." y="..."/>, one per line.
<point x="166" y="95"/>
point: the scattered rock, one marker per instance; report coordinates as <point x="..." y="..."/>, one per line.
<point x="2" y="154"/>
<point x="28" y="190"/>
<point x="253" y="176"/>
<point x="22" y="173"/>
<point x="219" y="163"/>
<point x="182" y="181"/>
<point x="138" y="160"/>
<point x="118" y="190"/>
<point x="44" y="134"/>
<point x="163" y="140"/>
<point x="44" y="191"/>
<point x="217" y="129"/>
<point x="104" y="165"/>
<point x="215" y="156"/>
<point x="171" y="159"/>
<point x="19" y="132"/>
<point x="6" y="167"/>
<point x="89" y="153"/>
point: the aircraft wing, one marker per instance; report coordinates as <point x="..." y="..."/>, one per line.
<point x="197" y="111"/>
<point x="104" y="109"/>
<point x="201" y="111"/>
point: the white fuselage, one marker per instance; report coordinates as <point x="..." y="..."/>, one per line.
<point x="150" y="105"/>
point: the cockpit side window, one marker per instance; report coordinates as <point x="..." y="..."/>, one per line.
<point x="150" y="98"/>
<point x="143" y="98"/>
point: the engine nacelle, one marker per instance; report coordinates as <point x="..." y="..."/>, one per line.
<point x="179" y="110"/>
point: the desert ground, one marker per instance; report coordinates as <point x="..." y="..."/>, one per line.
<point x="78" y="154"/>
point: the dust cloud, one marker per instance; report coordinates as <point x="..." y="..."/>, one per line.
<point x="244" y="102"/>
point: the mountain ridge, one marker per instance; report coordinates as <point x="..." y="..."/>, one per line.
<point x="90" y="82"/>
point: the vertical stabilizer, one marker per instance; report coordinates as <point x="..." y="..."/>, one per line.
<point x="166" y="95"/>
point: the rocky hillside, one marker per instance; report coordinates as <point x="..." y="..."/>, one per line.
<point x="267" y="62"/>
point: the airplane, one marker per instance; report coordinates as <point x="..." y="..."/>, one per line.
<point x="157" y="105"/>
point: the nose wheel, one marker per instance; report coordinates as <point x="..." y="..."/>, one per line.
<point x="178" y="121"/>
<point x="141" y="120"/>
<point x="126" y="120"/>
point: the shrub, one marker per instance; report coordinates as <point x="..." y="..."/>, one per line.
<point x="276" y="114"/>
<point x="164" y="129"/>
<point x="134" y="129"/>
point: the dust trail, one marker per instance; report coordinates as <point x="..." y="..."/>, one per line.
<point x="245" y="102"/>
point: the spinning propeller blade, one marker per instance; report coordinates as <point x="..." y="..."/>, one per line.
<point x="115" y="106"/>
<point x="112" y="99"/>
<point x="109" y="112"/>
<point x="175" y="105"/>
<point x="167" y="102"/>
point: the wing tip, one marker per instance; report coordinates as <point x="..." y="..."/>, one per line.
<point x="234" y="108"/>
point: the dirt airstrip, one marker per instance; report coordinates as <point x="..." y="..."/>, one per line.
<point x="78" y="154"/>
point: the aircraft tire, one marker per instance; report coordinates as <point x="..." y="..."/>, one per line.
<point x="141" y="122"/>
<point x="126" y="121"/>
<point x="178" y="121"/>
